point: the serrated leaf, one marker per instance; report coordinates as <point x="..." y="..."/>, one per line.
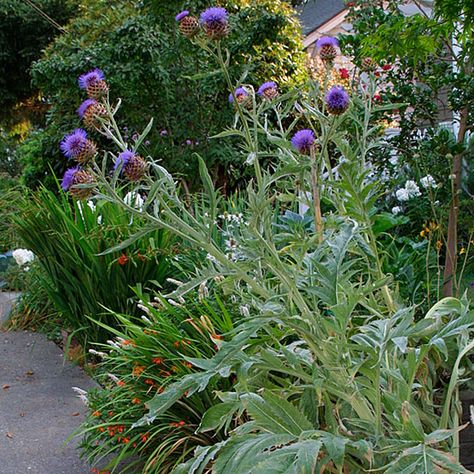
<point x="217" y="416"/>
<point x="275" y="414"/>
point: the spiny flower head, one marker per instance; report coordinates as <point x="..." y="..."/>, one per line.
<point x="214" y="15"/>
<point x="269" y="90"/>
<point x="216" y="22"/>
<point x="68" y="178"/>
<point x="74" y="143"/>
<point x="84" y="106"/>
<point x="327" y="41"/>
<point x="327" y="49"/>
<point x="188" y="24"/>
<point x="123" y="159"/>
<point x="132" y="165"/>
<point x="182" y="15"/>
<point x="303" y="141"/>
<point x="89" y="78"/>
<point x="337" y="100"/>
<point x="240" y="94"/>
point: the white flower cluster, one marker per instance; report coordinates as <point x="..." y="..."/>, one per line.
<point x="232" y="218"/>
<point x="410" y="191"/>
<point x="23" y="256"/>
<point x="428" y="182"/>
<point x="396" y="210"/>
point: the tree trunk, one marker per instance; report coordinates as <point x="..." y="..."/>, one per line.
<point x="452" y="241"/>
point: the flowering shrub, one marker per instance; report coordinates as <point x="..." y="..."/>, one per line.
<point x="142" y="361"/>
<point x="333" y="371"/>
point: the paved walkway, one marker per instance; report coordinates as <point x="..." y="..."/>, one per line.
<point x="38" y="408"/>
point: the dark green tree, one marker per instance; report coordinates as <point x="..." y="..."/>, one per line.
<point x="26" y="28"/>
<point x="432" y="54"/>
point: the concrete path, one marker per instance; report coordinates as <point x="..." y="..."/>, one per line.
<point x="6" y="301"/>
<point x="38" y="408"/>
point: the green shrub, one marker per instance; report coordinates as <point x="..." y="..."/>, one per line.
<point x="67" y="238"/>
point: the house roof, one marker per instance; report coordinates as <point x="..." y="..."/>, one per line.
<point x="315" y="13"/>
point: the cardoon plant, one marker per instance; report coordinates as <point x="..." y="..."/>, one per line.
<point x="333" y="372"/>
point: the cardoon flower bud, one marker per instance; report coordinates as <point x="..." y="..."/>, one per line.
<point x="132" y="165"/>
<point x="304" y="141"/>
<point x="91" y="111"/>
<point x="368" y="64"/>
<point x="241" y="95"/>
<point x="73" y="177"/>
<point x="337" y="100"/>
<point x="76" y="145"/>
<point x="215" y="22"/>
<point x="94" y="83"/>
<point x="268" y="90"/>
<point x="327" y="48"/>
<point x="188" y="25"/>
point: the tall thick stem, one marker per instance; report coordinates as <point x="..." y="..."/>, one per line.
<point x="452" y="241"/>
<point x="318" y="221"/>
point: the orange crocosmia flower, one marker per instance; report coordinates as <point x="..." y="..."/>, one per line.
<point x="122" y="260"/>
<point x="136" y="401"/>
<point x="178" y="424"/>
<point x="176" y="343"/>
<point x="96" y="413"/>
<point x="145" y="437"/>
<point x="187" y="364"/>
<point x="138" y="370"/>
<point x="121" y="383"/>
<point x="149" y="382"/>
<point x="157" y="360"/>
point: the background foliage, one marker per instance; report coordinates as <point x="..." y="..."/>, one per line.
<point x="159" y="73"/>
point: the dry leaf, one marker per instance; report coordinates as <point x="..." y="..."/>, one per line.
<point x="5" y="387"/>
<point x="30" y="372"/>
<point x="75" y="413"/>
<point x="9" y="435"/>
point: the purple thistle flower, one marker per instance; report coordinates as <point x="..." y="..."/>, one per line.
<point x="337" y="100"/>
<point x="214" y="16"/>
<point x="68" y="178"/>
<point x="84" y="106"/>
<point x="327" y="41"/>
<point x="91" y="77"/>
<point x="123" y="159"/>
<point x="73" y="143"/>
<point x="472" y="285"/>
<point x="164" y="132"/>
<point x="265" y="87"/>
<point x="181" y="15"/>
<point x="239" y="92"/>
<point x="303" y="141"/>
